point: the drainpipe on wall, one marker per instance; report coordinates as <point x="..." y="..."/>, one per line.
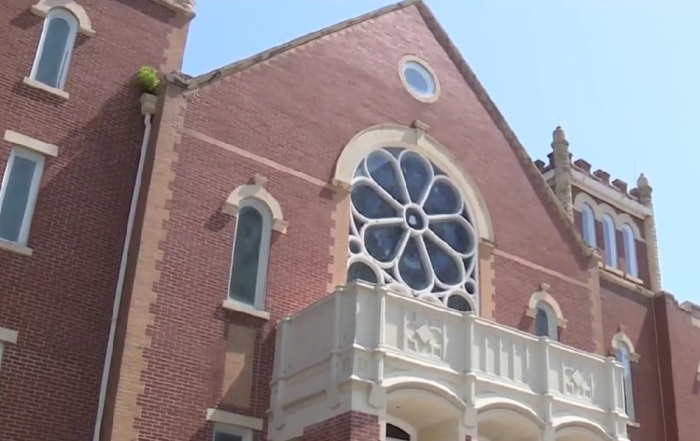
<point x="148" y="106"/>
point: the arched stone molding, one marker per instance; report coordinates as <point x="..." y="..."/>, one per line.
<point x="620" y="338"/>
<point x="500" y="418"/>
<point x="423" y="404"/>
<point x="430" y="389"/>
<point x="256" y="191"/>
<point x="584" y="198"/>
<point x="544" y="296"/>
<point x="43" y="7"/>
<point x="624" y="218"/>
<point x="415" y="139"/>
<point x="600" y="208"/>
<point x="603" y="209"/>
<point x="401" y="424"/>
<point x="571" y="428"/>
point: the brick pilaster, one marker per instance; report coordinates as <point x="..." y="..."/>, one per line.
<point x="350" y="426"/>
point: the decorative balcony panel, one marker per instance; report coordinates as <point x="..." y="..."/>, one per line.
<point x="353" y="346"/>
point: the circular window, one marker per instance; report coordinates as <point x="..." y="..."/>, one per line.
<point x="418" y="79"/>
<point x="411" y="230"/>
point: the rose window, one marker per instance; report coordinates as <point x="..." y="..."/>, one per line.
<point x="411" y="229"/>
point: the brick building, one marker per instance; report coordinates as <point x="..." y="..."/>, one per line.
<point x="187" y="273"/>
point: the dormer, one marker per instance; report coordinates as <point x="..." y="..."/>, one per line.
<point x="618" y="222"/>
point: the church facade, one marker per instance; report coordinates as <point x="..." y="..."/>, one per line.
<point x="339" y="239"/>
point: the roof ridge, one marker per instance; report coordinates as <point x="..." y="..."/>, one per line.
<point x="193" y="82"/>
<point x="497" y="117"/>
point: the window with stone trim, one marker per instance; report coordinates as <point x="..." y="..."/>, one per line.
<point x="411" y="229"/>
<point x="588" y="225"/>
<point x="55" y="48"/>
<point x="630" y="249"/>
<point x="609" y="241"/>
<point x="545" y="321"/>
<point x="231" y="433"/>
<point x="251" y="253"/>
<point x="18" y="194"/>
<point x="623" y="356"/>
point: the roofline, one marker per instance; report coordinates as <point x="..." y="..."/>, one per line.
<point x="590" y="256"/>
<point x="189" y="82"/>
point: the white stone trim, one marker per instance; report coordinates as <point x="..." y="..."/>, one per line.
<point x="185" y="7"/>
<point x="624" y="218"/>
<point x="62" y="94"/>
<point x="8" y="335"/>
<point x="30" y="143"/>
<point x="424" y="64"/>
<point x="621" y="338"/>
<point x="415" y="139"/>
<point x="43" y="8"/>
<point x="543" y="296"/>
<point x="697" y="376"/>
<point x="235" y="305"/>
<point x="605" y="193"/>
<point x="234" y="419"/>
<point x="258" y="192"/>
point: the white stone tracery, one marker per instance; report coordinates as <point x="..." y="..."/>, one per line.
<point x="411" y="230"/>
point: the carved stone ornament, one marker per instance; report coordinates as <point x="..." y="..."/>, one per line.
<point x="578" y="384"/>
<point x="424" y="336"/>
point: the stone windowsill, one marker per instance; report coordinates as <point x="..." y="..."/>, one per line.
<point x="233" y="305"/>
<point x="8" y="336"/>
<point x="62" y="94"/>
<point x="15" y="248"/>
<point x="621" y="274"/>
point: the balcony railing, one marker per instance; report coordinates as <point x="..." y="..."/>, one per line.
<point x="365" y="333"/>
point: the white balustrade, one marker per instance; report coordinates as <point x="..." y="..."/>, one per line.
<point x="365" y="333"/>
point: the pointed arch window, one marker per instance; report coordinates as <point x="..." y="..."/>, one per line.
<point x="251" y="254"/>
<point x="630" y="249"/>
<point x="545" y="321"/>
<point x="623" y="356"/>
<point x="411" y="230"/>
<point x="609" y="241"/>
<point x="55" y="47"/>
<point x="588" y="225"/>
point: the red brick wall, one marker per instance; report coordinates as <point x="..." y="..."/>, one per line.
<point x="351" y="426"/>
<point x="634" y="312"/>
<point x="269" y="112"/>
<point x="60" y="298"/>
<point x="682" y="355"/>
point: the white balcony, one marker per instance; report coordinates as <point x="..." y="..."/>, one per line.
<point x="442" y="373"/>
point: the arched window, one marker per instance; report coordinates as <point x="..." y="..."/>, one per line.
<point x="630" y="245"/>
<point x="588" y="225"/>
<point x="55" y="48"/>
<point x="251" y="254"/>
<point x="545" y="321"/>
<point x="410" y="229"/>
<point x="609" y="241"/>
<point x="399" y="430"/>
<point x="622" y="354"/>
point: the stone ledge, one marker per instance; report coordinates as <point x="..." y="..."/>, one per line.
<point x="185" y="7"/>
<point x="234" y="419"/>
<point x="236" y="306"/>
<point x="62" y="94"/>
<point x="16" y="248"/>
<point x="8" y="336"/>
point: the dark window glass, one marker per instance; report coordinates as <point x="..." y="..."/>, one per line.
<point x="246" y="255"/>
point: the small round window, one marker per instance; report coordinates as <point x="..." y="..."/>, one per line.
<point x="419" y="80"/>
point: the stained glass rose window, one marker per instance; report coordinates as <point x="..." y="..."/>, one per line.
<point x="411" y="230"/>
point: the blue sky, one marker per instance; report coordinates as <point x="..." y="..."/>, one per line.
<point x="621" y="76"/>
